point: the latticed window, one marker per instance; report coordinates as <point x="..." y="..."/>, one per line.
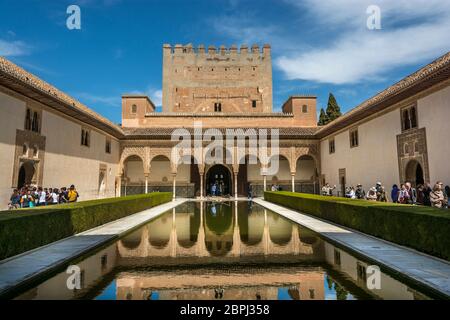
<point x="354" y="139"/>
<point x="85" y="139"/>
<point x="108" y="146"/>
<point x="409" y="118"/>
<point x="28" y="120"/>
<point x="35" y="122"/>
<point x="331" y="146"/>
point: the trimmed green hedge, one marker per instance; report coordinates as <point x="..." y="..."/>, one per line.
<point x="423" y="228"/>
<point x="26" y="229"/>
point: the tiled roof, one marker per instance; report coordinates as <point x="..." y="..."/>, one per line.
<point x="435" y="72"/>
<point x="156" y="133"/>
<point x="13" y="76"/>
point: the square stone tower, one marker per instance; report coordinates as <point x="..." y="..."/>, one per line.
<point x="224" y="80"/>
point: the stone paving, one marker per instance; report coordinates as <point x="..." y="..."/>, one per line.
<point x="25" y="267"/>
<point x="419" y="267"/>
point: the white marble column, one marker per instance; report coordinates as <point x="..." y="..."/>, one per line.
<point x="119" y="185"/>
<point x="146" y="183"/>
<point x="174" y="185"/>
<point x="265" y="182"/>
<point x="235" y="186"/>
<point x="293" y="181"/>
<point x="201" y="185"/>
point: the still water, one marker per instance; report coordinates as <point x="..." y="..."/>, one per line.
<point x="226" y="250"/>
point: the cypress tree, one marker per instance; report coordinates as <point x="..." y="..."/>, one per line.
<point x="333" y="110"/>
<point x="323" y="118"/>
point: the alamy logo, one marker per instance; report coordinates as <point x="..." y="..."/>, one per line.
<point x="211" y="147"/>
<point x="374" y="19"/>
<point x="74" y="280"/>
<point x="373" y="278"/>
<point x="73" y="22"/>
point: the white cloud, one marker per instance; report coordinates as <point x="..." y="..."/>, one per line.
<point x="351" y="13"/>
<point x="360" y="54"/>
<point x="236" y="27"/>
<point x="154" y="94"/>
<point x="156" y="97"/>
<point x="13" y="48"/>
<point x="113" y="101"/>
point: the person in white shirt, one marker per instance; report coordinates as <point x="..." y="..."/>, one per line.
<point x="42" y="195"/>
<point x="55" y="196"/>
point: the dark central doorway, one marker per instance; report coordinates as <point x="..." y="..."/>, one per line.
<point x="414" y="173"/>
<point x="218" y="181"/>
<point x="26" y="173"/>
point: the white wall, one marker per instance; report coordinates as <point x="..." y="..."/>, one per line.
<point x="66" y="162"/>
<point x="12" y="117"/>
<point x="375" y="159"/>
<point x="434" y="114"/>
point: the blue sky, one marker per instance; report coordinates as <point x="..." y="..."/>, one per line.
<point x="317" y="46"/>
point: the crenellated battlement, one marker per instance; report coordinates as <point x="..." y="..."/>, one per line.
<point x="189" y="49"/>
<point x="205" y="79"/>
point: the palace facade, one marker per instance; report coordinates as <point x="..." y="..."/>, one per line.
<point x="50" y="139"/>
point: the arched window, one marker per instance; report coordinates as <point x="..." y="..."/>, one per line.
<point x="409" y="118"/>
<point x="25" y="150"/>
<point x="82" y="137"/>
<point x="35" y="151"/>
<point x="133" y="108"/>
<point x="35" y="123"/>
<point x="413" y="117"/>
<point x="87" y="138"/>
<point x="28" y="120"/>
<point x="406" y="123"/>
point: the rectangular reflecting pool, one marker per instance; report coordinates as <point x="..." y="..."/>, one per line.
<point x="221" y="251"/>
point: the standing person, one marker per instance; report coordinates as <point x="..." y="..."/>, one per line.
<point x="426" y="194"/>
<point x="35" y="195"/>
<point x="412" y="193"/>
<point x="378" y="187"/>
<point x="403" y="195"/>
<point x="420" y="195"/>
<point x="394" y="193"/>
<point x="351" y="193"/>
<point x="72" y="195"/>
<point x="63" y="195"/>
<point x="48" y="198"/>
<point x="42" y="197"/>
<point x="28" y="200"/>
<point x="55" y="196"/>
<point x="14" y="200"/>
<point x="381" y="195"/>
<point x="250" y="191"/>
<point x="326" y="189"/>
<point x="444" y="193"/>
<point x="437" y="197"/>
<point x="360" y="193"/>
<point x="447" y="192"/>
<point x="372" y="194"/>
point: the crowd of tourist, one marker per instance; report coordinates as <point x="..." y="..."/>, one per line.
<point x="423" y="194"/>
<point x="31" y="196"/>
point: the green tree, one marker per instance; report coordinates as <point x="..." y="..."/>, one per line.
<point x="333" y="109"/>
<point x="323" y="118"/>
